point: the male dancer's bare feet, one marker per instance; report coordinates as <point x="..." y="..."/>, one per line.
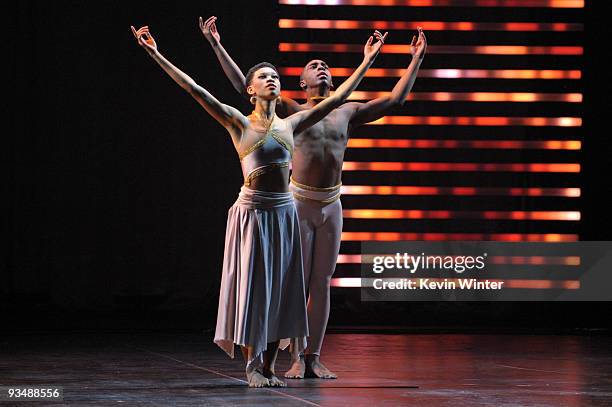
<point x="273" y="380"/>
<point x="297" y="369"/>
<point x="316" y="369"/>
<point x="256" y="378"/>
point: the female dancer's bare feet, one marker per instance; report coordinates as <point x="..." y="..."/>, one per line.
<point x="256" y="378"/>
<point x="273" y="380"/>
<point x="297" y="369"/>
<point x="316" y="369"/>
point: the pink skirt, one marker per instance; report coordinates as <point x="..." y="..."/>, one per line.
<point x="262" y="296"/>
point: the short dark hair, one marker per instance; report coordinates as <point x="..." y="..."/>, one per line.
<point x="251" y="72"/>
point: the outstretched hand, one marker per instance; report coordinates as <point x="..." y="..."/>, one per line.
<point x="418" y="47"/>
<point x="371" y="49"/>
<point x="145" y="39"/>
<point x="209" y="29"/>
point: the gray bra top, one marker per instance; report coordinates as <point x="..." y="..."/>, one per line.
<point x="266" y="154"/>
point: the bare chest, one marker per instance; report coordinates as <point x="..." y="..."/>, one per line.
<point x="329" y="133"/>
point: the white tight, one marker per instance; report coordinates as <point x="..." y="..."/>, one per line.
<point x="320" y="231"/>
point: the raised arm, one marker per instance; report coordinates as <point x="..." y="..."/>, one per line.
<point x="229" y="117"/>
<point x="233" y="71"/>
<point x="304" y="119"/>
<point x="377" y="108"/>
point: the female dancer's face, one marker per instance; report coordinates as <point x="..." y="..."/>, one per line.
<point x="265" y="84"/>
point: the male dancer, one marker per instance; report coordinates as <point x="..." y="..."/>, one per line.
<point x="316" y="178"/>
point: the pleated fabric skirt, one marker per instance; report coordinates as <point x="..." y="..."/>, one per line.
<point x="262" y="296"/>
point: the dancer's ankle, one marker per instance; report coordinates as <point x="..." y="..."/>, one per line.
<point x="311" y="357"/>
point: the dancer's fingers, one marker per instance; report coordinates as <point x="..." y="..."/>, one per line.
<point x="385" y="36"/>
<point x="413" y="42"/>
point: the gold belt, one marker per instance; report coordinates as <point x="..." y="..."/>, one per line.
<point x="315" y="189"/>
<point x="324" y="201"/>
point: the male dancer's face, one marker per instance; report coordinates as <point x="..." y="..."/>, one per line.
<point x="316" y="75"/>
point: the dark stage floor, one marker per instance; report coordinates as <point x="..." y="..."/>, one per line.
<point x="374" y="369"/>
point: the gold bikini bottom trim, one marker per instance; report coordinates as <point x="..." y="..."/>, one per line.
<point x="259" y="171"/>
<point x="315" y="189"/>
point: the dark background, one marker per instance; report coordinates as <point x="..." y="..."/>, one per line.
<point x="119" y="183"/>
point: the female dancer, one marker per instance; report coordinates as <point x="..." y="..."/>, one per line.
<point x="262" y="301"/>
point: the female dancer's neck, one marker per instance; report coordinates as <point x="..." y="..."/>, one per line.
<point x="265" y="108"/>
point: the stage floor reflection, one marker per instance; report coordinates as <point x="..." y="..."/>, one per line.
<point x="373" y="369"/>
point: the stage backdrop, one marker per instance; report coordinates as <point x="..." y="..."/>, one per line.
<point x="119" y="182"/>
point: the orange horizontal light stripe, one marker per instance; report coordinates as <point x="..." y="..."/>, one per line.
<point x="442" y="214"/>
<point x="440" y="3"/>
<point x="287" y="23"/>
<point x="460" y="96"/>
<point x="514" y="260"/>
<point x="543" y="284"/>
<point x="352" y="282"/>
<point x="478" y="121"/>
<point x="436" y="49"/>
<point x="459" y="191"/>
<point x="437" y="166"/>
<point x="452" y="73"/>
<point x="501" y="237"/>
<point x="464" y="144"/>
<point x="536" y="260"/>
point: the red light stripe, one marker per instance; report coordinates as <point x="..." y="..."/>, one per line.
<point x="286" y="23"/>
<point x="543" y="284"/>
<point x="441" y="214"/>
<point x="439" y="3"/>
<point x="461" y="96"/>
<point x="465" y="144"/>
<point x="437" y="49"/>
<point x="501" y="237"/>
<point x="514" y="260"/>
<point x="457" y="191"/>
<point x="478" y="121"/>
<point x="438" y="166"/>
<point x="452" y="73"/>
